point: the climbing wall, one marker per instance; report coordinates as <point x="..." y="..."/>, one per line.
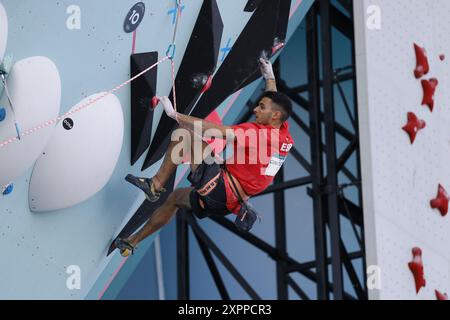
<point x="76" y="124"/>
<point x="403" y="72"/>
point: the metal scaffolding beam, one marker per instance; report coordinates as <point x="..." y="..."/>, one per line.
<point x="323" y="185"/>
<point x="330" y="141"/>
<point x="182" y="255"/>
<point x="320" y="240"/>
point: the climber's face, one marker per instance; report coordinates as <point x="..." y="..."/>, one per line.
<point x="265" y="112"/>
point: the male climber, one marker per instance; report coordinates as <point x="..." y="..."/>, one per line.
<point x="219" y="189"/>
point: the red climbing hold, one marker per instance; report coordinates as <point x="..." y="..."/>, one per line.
<point x="441" y="201"/>
<point x="422" y="66"/>
<point x="442" y="57"/>
<point x="277" y="47"/>
<point x="441" y="296"/>
<point x="416" y="267"/>
<point x="429" y="88"/>
<point x="413" y="126"/>
<point x="207" y="85"/>
<point x="155" y="102"/>
<point x="214" y="118"/>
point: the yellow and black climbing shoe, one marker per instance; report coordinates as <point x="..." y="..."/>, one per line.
<point x="125" y="247"/>
<point x="147" y="186"/>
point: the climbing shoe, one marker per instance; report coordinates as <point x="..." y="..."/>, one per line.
<point x="124" y="246"/>
<point x="147" y="186"/>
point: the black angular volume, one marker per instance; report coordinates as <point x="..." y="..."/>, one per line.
<point x="199" y="63"/>
<point x="143" y="89"/>
<point x="284" y="8"/>
<point x="252" y="5"/>
<point x="240" y="68"/>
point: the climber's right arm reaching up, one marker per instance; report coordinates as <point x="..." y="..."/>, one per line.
<point x="267" y="72"/>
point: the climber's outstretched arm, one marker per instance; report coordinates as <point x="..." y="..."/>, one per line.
<point x="206" y="128"/>
<point x="267" y="72"/>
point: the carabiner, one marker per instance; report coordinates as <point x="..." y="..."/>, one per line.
<point x="170" y="53"/>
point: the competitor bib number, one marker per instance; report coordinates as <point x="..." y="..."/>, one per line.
<point x="275" y="164"/>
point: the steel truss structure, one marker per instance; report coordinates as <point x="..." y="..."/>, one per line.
<point x="330" y="205"/>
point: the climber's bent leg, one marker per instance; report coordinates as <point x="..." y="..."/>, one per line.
<point x="178" y="199"/>
<point x="185" y="146"/>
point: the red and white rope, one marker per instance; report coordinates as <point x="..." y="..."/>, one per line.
<point x="85" y="105"/>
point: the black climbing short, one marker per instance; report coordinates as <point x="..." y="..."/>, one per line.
<point x="209" y="196"/>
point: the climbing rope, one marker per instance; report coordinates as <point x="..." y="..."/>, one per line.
<point x="179" y="9"/>
<point x="172" y="47"/>
<point x="173" y="86"/>
<point x="85" y="105"/>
